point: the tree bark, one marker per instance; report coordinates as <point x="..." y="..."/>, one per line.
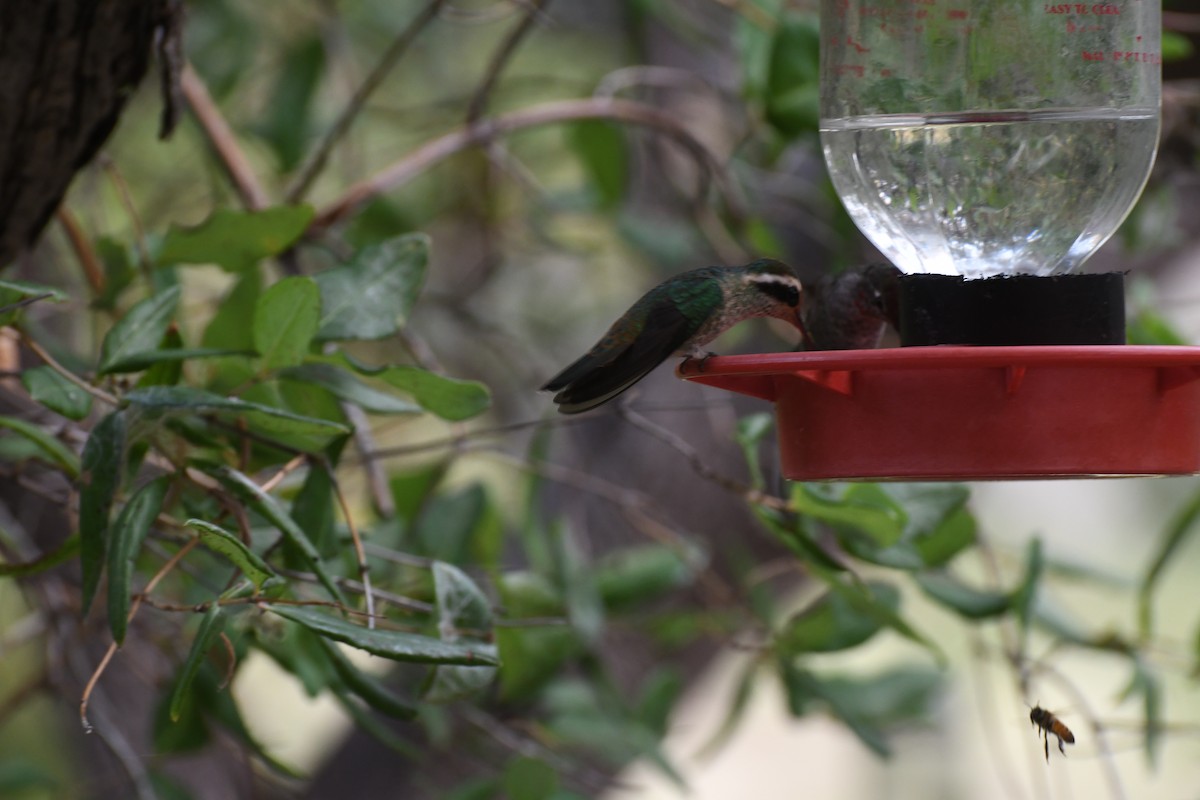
<point x="66" y="69"/>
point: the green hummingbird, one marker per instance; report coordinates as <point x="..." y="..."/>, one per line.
<point x="679" y="316"/>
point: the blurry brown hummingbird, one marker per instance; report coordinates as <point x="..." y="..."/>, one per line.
<point x="851" y="310"/>
<point x="679" y="316"/>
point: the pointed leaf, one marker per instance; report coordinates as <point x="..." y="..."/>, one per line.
<point x="136" y="362"/>
<point x="367" y="687"/>
<point x="128" y="532"/>
<point x="184" y="399"/>
<point x="211" y="624"/>
<point x="1181" y="527"/>
<point x="219" y="540"/>
<point x="395" y="645"/>
<point x="285" y="321"/>
<point x="962" y="599"/>
<point x="64" y="552"/>
<point x="464" y="615"/>
<point x="270" y="509"/>
<point x="140" y="330"/>
<point x="56" y="392"/>
<point x="236" y="240"/>
<point x="835" y="621"/>
<point x="371" y="297"/>
<point x="346" y="387"/>
<point x="449" y="398"/>
<point x="529" y="779"/>
<point x="99" y="479"/>
<point x="54" y="451"/>
<point x="750" y="432"/>
<point x="601" y="147"/>
<point x="15" y="294"/>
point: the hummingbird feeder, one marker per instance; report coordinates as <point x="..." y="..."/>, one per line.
<point x="987" y="150"/>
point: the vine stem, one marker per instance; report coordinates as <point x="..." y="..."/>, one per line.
<point x="486" y="130"/>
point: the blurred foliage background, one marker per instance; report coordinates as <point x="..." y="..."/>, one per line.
<point x="276" y="425"/>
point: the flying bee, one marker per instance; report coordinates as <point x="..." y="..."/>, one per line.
<point x="1048" y="724"/>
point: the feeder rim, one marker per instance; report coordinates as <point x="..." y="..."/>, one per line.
<point x="945" y="357"/>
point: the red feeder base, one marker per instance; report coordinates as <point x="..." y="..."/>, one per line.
<point x="975" y="413"/>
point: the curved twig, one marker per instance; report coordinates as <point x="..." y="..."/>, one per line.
<point x="399" y="46"/>
<point x="556" y="112"/>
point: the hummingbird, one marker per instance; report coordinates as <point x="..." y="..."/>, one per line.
<point x="679" y="316"/>
<point x="851" y="310"/>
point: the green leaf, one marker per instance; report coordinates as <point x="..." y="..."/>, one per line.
<point x="219" y="540"/>
<point x="1025" y="594"/>
<point x="289" y="108"/>
<point x="529" y="779"/>
<point x="236" y="240"/>
<point x="865" y="507"/>
<point x="126" y="537"/>
<point x="630" y="577"/>
<point x="866" y="705"/>
<point x="464" y="615"/>
<point x="962" y="599"/>
<point x="449" y="521"/>
<point x="140" y="330"/>
<point x="232" y="328"/>
<point x="313" y="510"/>
<point x="394" y="645"/>
<point x="269" y="508"/>
<point x="64" y="552"/>
<point x="211" y="624"/>
<point x="835" y="621"/>
<point x="367" y="687"/>
<point x="151" y="358"/>
<point x="56" y="392"/>
<point x="449" y="398"/>
<point x="750" y="432"/>
<point x="793" y="79"/>
<point x="601" y="148"/>
<point x="1180" y="528"/>
<point x="167" y="372"/>
<point x="898" y="525"/>
<point x="531" y="656"/>
<point x="1176" y="46"/>
<point x="13" y="293"/>
<point x="99" y="478"/>
<point x="346" y="387"/>
<point x="20" y="777"/>
<point x="1145" y="682"/>
<point x="54" y="451"/>
<point x="372" y="296"/>
<point x="285" y="321"/>
<point x="184" y="399"/>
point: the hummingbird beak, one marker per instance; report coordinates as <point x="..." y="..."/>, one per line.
<point x="805" y="336"/>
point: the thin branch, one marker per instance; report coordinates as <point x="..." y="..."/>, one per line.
<point x="399" y="46"/>
<point x="139" y="232"/>
<point x="92" y="269"/>
<point x="28" y="301"/>
<point x="557" y="112"/>
<point x="364" y="442"/>
<point x="698" y="463"/>
<point x="223" y="141"/>
<point x="479" y="102"/>
<point x="133" y="609"/>
<point x="398" y="600"/>
<point x="50" y="362"/>
<point x="363" y="568"/>
<point x="284" y="471"/>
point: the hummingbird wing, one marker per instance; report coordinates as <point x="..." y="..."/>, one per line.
<point x="658" y="325"/>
